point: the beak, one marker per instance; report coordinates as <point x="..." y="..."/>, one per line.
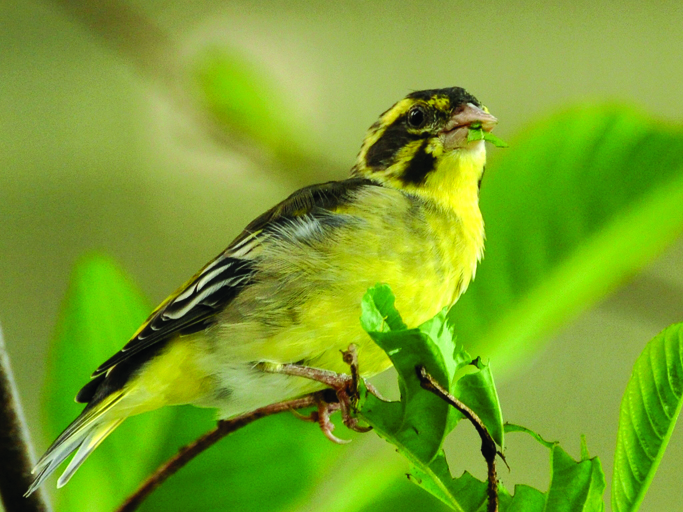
<point x="454" y="134"/>
<point x="471" y="114"/>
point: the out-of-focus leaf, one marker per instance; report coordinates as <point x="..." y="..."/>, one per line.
<point x="103" y="308"/>
<point x="649" y="409"/>
<point x="580" y="202"/>
<point x="398" y="497"/>
<point x="246" y="102"/>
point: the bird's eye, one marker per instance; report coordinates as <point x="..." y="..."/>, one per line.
<point x="417" y="117"/>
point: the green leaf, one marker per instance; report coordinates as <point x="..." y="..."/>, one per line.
<point x="478" y="391"/>
<point x="649" y="410"/>
<point x="526" y="499"/>
<point x="420" y="421"/>
<point x="102" y="310"/>
<point x="399" y="496"/>
<point x="575" y="485"/>
<point x="245" y="101"/>
<point x="463" y="494"/>
<point x="585" y="198"/>
<point x="418" y="424"/>
<point x="479" y="134"/>
<point x="511" y="427"/>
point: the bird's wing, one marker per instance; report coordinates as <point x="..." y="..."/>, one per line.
<point x="194" y="305"/>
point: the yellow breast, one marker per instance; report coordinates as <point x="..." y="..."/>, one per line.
<point x="306" y="305"/>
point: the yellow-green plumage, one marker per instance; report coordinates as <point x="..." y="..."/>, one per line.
<point x="288" y="289"/>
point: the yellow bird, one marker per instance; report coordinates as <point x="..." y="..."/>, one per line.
<point x="289" y="288"/>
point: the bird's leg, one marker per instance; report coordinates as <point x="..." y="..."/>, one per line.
<point x="345" y="387"/>
<point x="349" y="395"/>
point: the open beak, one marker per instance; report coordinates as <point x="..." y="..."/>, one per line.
<point x="454" y="134"/>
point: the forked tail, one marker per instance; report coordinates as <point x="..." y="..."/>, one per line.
<point x="84" y="434"/>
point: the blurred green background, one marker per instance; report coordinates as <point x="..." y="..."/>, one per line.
<point x="105" y="145"/>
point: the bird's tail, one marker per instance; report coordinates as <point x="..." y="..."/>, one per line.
<point x="84" y="434"/>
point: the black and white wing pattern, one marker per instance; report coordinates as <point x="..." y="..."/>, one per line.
<point x="191" y="307"/>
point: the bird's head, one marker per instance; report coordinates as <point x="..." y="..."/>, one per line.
<point x="420" y="144"/>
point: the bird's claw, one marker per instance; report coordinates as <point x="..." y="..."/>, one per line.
<point x="344" y="386"/>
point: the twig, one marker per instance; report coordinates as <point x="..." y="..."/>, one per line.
<point x="488" y="445"/>
<point x="189" y="452"/>
<point x="15" y="446"/>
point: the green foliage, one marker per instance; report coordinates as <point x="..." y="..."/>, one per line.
<point x="417" y="424"/>
<point x="574" y="485"/>
<point x="581" y="201"/>
<point x="432" y="344"/>
<point x="649" y="410"/>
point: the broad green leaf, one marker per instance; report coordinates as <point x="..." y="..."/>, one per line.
<point x="649" y="410"/>
<point x="580" y="202"/>
<point x="575" y="485"/>
<point x="102" y="309"/>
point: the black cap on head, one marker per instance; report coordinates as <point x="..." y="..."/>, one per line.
<point x="456" y="95"/>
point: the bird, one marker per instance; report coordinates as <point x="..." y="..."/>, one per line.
<point x="288" y="289"/>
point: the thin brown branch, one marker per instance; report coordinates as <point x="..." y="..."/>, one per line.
<point x="15" y="446"/>
<point x="488" y="445"/>
<point x="189" y="452"/>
